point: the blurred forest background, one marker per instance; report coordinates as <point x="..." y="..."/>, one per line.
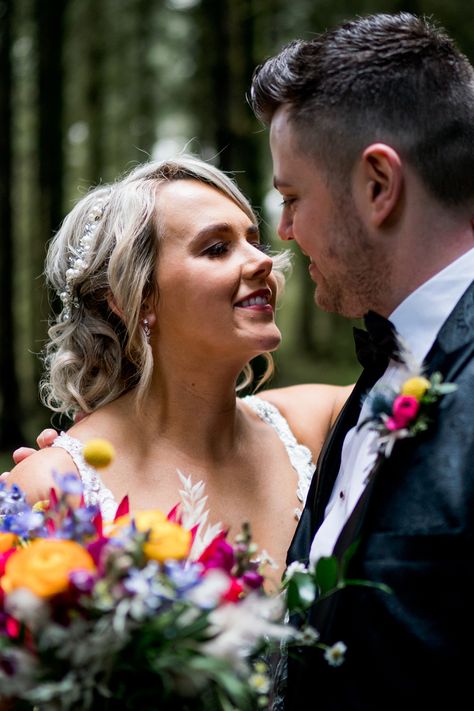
<point x="88" y="88"/>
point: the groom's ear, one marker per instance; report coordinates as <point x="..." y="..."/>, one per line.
<point x="380" y="183"/>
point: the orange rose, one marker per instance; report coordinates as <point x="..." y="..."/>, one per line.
<point x="7" y="541"/>
<point x="44" y="566"/>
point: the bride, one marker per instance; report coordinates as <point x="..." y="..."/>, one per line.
<point x="167" y="295"/>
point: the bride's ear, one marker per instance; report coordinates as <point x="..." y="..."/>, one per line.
<point x="148" y="311"/>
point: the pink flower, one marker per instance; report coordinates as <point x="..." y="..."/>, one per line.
<point x="234" y="591"/>
<point x="218" y="554"/>
<point x="404" y="410"/>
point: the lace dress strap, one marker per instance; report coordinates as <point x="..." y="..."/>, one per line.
<point x="94" y="490"/>
<point x="299" y="455"/>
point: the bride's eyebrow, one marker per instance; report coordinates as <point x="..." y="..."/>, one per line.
<point x="220" y="228"/>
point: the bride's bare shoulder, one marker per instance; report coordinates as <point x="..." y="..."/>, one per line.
<point x="310" y="409"/>
<point x="34" y="475"/>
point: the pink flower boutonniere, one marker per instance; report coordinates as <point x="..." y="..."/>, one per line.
<point x="396" y="414"/>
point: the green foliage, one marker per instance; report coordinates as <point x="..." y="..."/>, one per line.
<point x="140" y="78"/>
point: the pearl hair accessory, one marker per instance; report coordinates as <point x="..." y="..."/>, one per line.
<point x="79" y="258"/>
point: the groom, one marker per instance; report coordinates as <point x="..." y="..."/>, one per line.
<point x="372" y="139"/>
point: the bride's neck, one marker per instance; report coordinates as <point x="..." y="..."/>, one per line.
<point x="193" y="408"/>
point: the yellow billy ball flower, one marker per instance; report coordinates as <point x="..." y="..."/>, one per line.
<point x="416" y="387"/>
<point x="99" y="453"/>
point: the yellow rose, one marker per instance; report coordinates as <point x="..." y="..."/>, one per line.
<point x="44" y="566"/>
<point x="99" y="453"/>
<point x="7" y="541"/>
<point x="416" y="387"/>
<point x="148" y="519"/>
<point x="167" y="540"/>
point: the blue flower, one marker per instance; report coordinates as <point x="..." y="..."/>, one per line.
<point x="12" y="500"/>
<point x="182" y="577"/>
<point x="25" y="524"/>
<point x="78" y="524"/>
<point x="69" y="483"/>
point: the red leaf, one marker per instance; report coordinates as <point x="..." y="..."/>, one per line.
<point x="53" y="498"/>
<point x="97" y="522"/>
<point x="174" y="515"/>
<point x="123" y="508"/>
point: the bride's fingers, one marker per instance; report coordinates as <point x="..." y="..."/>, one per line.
<point x="46" y="438"/>
<point x="22" y="453"/>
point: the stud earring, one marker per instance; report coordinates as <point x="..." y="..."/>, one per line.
<point x="146" y="329"/>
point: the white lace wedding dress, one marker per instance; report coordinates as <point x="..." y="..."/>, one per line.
<point x="96" y="493"/>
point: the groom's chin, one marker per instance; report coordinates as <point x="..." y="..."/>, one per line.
<point x="335" y="304"/>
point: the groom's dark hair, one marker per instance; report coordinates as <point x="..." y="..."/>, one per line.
<point x="396" y="78"/>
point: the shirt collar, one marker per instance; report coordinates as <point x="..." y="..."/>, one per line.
<point x="418" y="319"/>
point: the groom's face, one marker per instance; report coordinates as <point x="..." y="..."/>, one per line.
<point x="325" y="224"/>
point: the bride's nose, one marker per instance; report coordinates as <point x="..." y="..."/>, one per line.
<point x="257" y="264"/>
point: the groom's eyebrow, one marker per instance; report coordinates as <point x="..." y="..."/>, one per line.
<point x="277" y="183"/>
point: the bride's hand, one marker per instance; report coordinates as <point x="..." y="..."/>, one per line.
<point x="44" y="439"/>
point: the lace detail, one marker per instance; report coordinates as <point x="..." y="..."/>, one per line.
<point x="299" y="455"/>
<point x="94" y="490"/>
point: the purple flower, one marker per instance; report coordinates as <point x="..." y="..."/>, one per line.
<point x="252" y="579"/>
<point x="12" y="500"/>
<point x="25" y="523"/>
<point x="183" y="577"/>
<point x="69" y="483"/>
<point x="83" y="580"/>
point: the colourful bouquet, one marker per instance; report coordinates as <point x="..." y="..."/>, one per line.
<point x="123" y="615"/>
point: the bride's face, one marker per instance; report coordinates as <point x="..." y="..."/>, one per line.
<point x="216" y="290"/>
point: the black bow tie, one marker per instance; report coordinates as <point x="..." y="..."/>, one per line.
<point x="378" y="344"/>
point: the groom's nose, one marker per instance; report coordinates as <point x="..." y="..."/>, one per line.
<point x="285" y="226"/>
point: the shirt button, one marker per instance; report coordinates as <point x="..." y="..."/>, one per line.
<point x="342" y="495"/>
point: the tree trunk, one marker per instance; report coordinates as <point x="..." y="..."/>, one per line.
<point x="49" y="18"/>
<point x="10" y="420"/>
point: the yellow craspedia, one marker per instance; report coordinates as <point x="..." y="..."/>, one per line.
<point x="99" y="453"/>
<point x="41" y="505"/>
<point x="416" y="387"/>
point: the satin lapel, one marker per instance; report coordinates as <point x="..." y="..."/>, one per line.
<point x="454" y="343"/>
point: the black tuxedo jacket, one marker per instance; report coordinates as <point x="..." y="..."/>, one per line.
<point x="412" y="648"/>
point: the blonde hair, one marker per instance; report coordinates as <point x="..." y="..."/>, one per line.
<point x="93" y="355"/>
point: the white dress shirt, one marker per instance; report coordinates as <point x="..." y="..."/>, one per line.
<point x="418" y="319"/>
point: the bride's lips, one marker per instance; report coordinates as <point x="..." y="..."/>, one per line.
<point x="256" y="301"/>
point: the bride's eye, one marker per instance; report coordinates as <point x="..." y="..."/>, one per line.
<point x="217" y="250"/>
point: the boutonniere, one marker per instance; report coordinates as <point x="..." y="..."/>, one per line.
<point x="396" y="414"/>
